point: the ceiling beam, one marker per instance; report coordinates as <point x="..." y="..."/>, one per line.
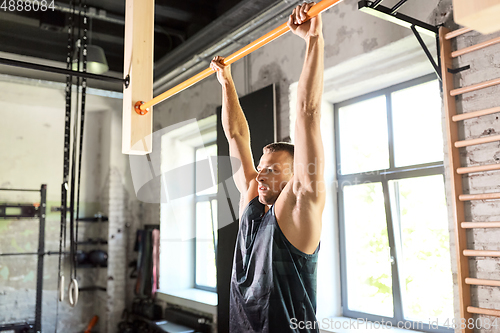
<point x="106" y="16"/>
<point x="232" y="19"/>
<point x="185" y="11"/>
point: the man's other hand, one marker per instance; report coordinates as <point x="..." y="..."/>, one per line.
<point x="223" y="71"/>
<point x="298" y="25"/>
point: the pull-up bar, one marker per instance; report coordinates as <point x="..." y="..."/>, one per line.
<point x="141" y="107"/>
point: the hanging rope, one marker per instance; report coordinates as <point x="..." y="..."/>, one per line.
<point x="81" y="95"/>
<point x="67" y="133"/>
<point x="82" y="116"/>
<point x="81" y="86"/>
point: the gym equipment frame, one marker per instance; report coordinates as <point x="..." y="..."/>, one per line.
<point x="30" y="213"/>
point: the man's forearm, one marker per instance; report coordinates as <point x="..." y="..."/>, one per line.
<point x="310" y="88"/>
<point x="233" y="118"/>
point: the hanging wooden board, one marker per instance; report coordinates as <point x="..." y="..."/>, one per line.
<point x="138" y="64"/>
<point x="479" y="15"/>
<point x="137" y="98"/>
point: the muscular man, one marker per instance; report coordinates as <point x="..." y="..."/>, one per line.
<point x="273" y="283"/>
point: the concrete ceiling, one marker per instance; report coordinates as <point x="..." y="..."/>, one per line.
<point x="182" y="28"/>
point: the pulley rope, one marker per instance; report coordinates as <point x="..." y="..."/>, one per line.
<point x="67" y="134"/>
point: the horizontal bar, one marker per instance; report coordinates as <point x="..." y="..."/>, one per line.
<point x="270" y="36"/>
<point x="58" y="70"/>
<point x="488" y="312"/>
<point x="478" y="141"/>
<point x="93" y="219"/>
<point x="475" y="87"/>
<point x="16" y="189"/>
<point x="17" y="326"/>
<point x="481" y="253"/>
<point x="18" y="254"/>
<point x="397" y="173"/>
<point x="485" y="196"/>
<point x="482" y="282"/>
<point x="479" y="168"/>
<point x="92" y="242"/>
<point x="18" y="217"/>
<point x="475" y="114"/>
<point x="472" y="225"/>
<point x="475" y="47"/>
<point x="92" y="288"/>
<point x="50" y="253"/>
<point x="457" y="33"/>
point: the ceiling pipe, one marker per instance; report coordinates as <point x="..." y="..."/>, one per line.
<point x="226" y="45"/>
<point x="218" y="30"/>
<point x="101" y="14"/>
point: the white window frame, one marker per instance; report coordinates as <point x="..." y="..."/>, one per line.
<point x="383" y="177"/>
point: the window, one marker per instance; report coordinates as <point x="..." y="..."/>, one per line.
<point x="206" y="218"/>
<point x="188" y="212"/>
<point x="395" y="256"/>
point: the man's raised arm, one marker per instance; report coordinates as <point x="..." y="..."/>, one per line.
<point x="308" y="144"/>
<point x="235" y="127"/>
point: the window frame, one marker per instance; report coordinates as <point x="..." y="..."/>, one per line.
<point x="382" y="176"/>
<point x="202" y="198"/>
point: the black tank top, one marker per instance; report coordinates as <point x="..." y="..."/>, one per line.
<point x="273" y="284"/>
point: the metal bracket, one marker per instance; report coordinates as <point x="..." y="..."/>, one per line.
<point x="18" y="211"/>
<point x="391" y="15"/>
<point x="375" y="3"/>
<point x="396" y="7"/>
<point x="126" y="82"/>
<point x="458" y="70"/>
<point x="436" y="67"/>
<point x="18" y="327"/>
<point x="22" y="211"/>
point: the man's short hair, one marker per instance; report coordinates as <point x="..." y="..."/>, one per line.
<point x="279" y="146"/>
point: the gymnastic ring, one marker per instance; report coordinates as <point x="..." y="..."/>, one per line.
<point x="73" y="292"/>
<point x="61" y="288"/>
<point x="137" y="108"/>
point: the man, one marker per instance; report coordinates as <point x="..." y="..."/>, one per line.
<point x="273" y="284"/>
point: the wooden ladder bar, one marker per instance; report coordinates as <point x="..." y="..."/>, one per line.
<point x="456" y="179"/>
<point x="456" y="171"/>
<point x="472" y="225"/>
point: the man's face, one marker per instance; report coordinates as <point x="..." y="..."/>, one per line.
<point x="274" y="172"/>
